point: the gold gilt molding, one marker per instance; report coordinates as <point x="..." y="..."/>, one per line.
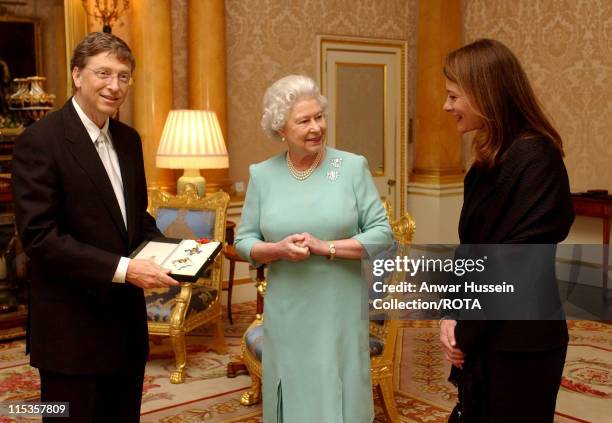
<point x="437" y="176"/>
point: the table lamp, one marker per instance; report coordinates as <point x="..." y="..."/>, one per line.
<point x="192" y="140"/>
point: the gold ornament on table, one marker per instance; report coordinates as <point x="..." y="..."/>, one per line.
<point x="107" y="11"/>
<point x="17" y="99"/>
<point x="30" y="101"/>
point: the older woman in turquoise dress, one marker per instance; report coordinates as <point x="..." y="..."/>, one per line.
<point x="311" y="213"/>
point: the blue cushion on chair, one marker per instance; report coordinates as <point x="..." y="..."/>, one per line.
<point x="186" y="223"/>
<point x="190" y="224"/>
<point x="254" y="341"/>
<point x="376" y="346"/>
<point x="160" y="303"/>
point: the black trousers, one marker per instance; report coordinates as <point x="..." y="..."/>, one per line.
<point x="114" y="397"/>
<point x="518" y="387"/>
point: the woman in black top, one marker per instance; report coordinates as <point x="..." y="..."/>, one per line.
<point x="516" y="191"/>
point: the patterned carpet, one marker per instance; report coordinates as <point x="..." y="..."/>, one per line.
<point x="422" y="393"/>
<point x="585" y="395"/>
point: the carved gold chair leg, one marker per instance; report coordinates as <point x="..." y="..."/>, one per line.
<point x="253" y="395"/>
<point x="385" y="391"/>
<point x="177" y="338"/>
<point x="177" y="333"/>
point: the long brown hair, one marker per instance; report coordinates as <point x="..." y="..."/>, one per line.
<point x="497" y="87"/>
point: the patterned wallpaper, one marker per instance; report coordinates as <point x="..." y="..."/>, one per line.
<point x="268" y="39"/>
<point x="565" y="46"/>
<point x="566" y="49"/>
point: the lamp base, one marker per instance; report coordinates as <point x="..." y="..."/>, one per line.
<point x="191" y="176"/>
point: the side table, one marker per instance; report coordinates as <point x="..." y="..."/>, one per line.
<point x="597" y="206"/>
<point x="230" y="253"/>
<point x="13" y="324"/>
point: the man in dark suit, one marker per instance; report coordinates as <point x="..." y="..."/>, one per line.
<point x="80" y="203"/>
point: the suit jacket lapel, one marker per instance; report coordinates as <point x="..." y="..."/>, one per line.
<point x="127" y="176"/>
<point x="85" y="153"/>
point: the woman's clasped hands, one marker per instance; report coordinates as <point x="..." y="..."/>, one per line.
<point x="298" y="247"/>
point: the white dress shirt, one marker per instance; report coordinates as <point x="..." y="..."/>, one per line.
<point x="109" y="159"/>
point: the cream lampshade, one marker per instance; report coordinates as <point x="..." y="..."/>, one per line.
<point x="192" y="140"/>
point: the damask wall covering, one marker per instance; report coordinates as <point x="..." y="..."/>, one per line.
<point x="566" y="48"/>
<point x="565" y="45"/>
<point x="268" y="39"/>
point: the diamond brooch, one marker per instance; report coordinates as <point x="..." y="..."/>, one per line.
<point x="333" y="174"/>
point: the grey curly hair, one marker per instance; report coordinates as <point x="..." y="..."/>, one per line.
<point x="281" y="96"/>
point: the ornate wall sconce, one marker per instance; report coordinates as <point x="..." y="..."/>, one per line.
<point x="107" y="11"/>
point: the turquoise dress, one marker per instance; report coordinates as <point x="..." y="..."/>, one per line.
<point x="316" y="365"/>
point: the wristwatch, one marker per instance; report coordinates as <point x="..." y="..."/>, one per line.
<point x="332" y="251"/>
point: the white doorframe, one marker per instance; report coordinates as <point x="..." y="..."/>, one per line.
<point x="337" y="51"/>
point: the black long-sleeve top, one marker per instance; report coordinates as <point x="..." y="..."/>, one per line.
<point x="525" y="199"/>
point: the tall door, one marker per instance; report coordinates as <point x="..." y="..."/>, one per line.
<point x="364" y="82"/>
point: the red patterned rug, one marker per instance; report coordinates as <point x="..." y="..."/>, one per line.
<point x="422" y="393"/>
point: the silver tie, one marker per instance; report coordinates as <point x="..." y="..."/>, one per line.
<point x="112" y="170"/>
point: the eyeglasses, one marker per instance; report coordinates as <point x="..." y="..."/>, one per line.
<point x="123" y="78"/>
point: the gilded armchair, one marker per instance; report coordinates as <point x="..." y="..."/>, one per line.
<point x="383" y="334"/>
<point x="175" y="311"/>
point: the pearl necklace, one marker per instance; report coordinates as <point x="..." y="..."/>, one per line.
<point x="302" y="175"/>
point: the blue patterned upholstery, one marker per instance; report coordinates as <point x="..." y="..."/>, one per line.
<point x="182" y="223"/>
<point x="160" y="303"/>
<point x="177" y="310"/>
<point x="254" y="342"/>
<point x="185" y="223"/>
